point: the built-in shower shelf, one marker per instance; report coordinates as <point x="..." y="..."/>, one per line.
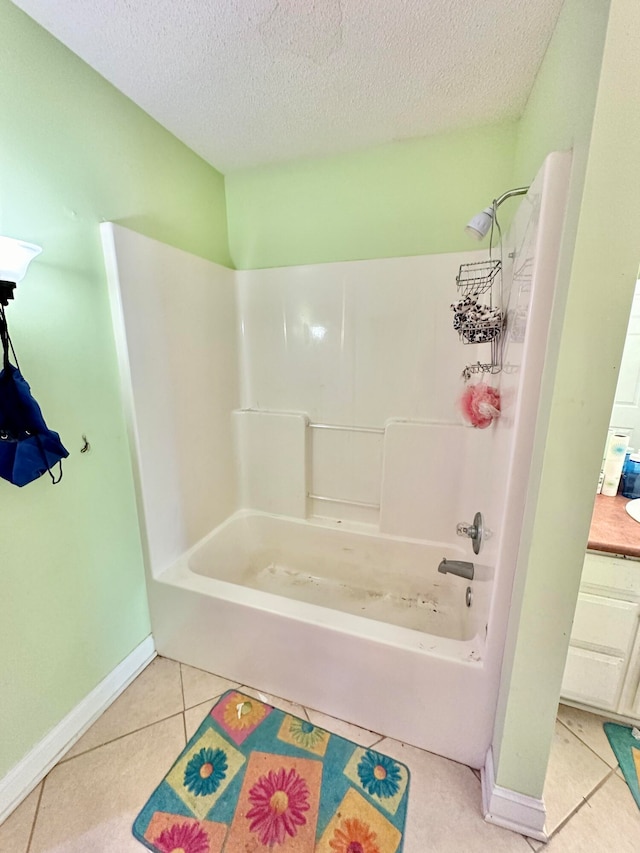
<point x="343" y="501"/>
<point x="347" y="428"/>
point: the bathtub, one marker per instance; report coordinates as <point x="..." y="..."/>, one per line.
<point x="340" y="618"/>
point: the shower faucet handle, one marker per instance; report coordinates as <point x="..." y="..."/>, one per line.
<point x="473" y="531"/>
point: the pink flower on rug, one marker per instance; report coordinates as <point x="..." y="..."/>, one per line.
<point x="183" y="838"/>
<point x="278" y="800"/>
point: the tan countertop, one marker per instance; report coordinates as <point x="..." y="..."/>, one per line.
<point x="612" y="528"/>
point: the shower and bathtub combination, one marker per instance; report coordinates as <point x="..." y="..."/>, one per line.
<point x="301" y="471"/>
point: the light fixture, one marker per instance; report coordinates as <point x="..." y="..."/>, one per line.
<point x="15" y="257"/>
<point x="480" y="224"/>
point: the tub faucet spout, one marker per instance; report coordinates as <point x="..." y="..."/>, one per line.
<point x="457" y="567"/>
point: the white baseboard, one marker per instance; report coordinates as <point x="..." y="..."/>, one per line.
<point x="509" y="809"/>
<point x="23" y="778"/>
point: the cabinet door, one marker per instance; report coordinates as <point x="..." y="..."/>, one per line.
<point x="611" y="577"/>
<point x="607" y="623"/>
<point x="593" y="678"/>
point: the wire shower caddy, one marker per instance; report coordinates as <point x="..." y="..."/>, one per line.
<point x="476" y="319"/>
<point x="476" y="278"/>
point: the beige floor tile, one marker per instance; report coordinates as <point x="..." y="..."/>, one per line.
<point x="276" y="702"/>
<point x="154" y="695"/>
<point x="363" y="737"/>
<point x="90" y="802"/>
<point x="608" y="823"/>
<point x="194" y="716"/>
<point x="573" y="772"/>
<point x="588" y="727"/>
<point x="16" y="829"/>
<point x="445" y="807"/>
<point x="199" y="686"/>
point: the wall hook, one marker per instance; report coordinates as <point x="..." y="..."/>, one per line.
<point x="86" y="446"/>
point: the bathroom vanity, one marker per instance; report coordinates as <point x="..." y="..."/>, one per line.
<point x="603" y="665"/>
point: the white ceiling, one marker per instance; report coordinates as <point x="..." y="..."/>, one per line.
<point x="247" y="82"/>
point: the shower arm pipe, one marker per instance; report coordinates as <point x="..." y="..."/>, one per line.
<point x="509" y="194"/>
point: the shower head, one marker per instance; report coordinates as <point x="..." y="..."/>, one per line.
<point x="479" y="226"/>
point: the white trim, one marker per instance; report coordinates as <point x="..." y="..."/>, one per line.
<point x="603" y="712"/>
<point x="509" y="809"/>
<point x="23" y="778"/>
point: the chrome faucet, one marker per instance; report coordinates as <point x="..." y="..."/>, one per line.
<point x="474" y="531"/>
<point x="457" y="567"/>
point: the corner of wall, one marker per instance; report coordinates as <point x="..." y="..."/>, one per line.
<point x="599" y="245"/>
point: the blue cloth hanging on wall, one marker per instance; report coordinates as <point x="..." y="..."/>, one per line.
<point x="28" y="448"/>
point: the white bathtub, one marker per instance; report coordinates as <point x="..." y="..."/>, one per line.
<point x="339" y="618"/>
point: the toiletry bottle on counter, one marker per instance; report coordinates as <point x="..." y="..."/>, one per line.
<point x="625" y="466"/>
<point x="604" y="458"/>
<point x="614" y="460"/>
<point x="631" y="477"/>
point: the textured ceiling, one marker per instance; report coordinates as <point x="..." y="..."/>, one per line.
<point x="246" y="82"/>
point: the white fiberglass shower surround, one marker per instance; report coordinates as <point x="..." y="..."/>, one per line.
<point x="300" y="471"/>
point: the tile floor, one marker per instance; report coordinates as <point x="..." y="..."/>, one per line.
<point x="87" y="803"/>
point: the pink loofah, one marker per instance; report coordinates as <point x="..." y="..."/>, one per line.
<point x="480" y="404"/>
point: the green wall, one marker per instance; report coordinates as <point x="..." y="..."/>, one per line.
<point x="590" y="100"/>
<point x="74" y="151"/>
<point x="406" y="198"/>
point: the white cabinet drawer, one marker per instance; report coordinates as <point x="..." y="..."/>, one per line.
<point x="593" y="678"/>
<point x="607" y="623"/>
<point x="609" y="575"/>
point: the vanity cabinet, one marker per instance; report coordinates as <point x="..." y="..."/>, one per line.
<point x="603" y="664"/>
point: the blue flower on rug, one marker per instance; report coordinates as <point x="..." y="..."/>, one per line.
<point x="205" y="772"/>
<point x="306" y="734"/>
<point x="379" y="774"/>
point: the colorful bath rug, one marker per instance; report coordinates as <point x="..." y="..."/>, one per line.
<point x="627" y="750"/>
<point x="254" y="779"/>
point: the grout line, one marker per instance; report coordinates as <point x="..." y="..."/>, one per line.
<point x="600" y="784"/>
<point x="306" y="713"/>
<point x="184" y="708"/>
<point x="379" y="736"/>
<point x="35" y="816"/>
<point x="584" y="743"/>
<point x="113" y="740"/>
<point x="529" y="842"/>
<point x="211" y="699"/>
<point x="184" y="726"/>
<point x="376" y="742"/>
<point x="580" y="806"/>
<point x="270" y="700"/>
<point x="566" y="819"/>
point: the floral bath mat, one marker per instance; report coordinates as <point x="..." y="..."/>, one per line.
<point x="254" y="779"/>
<point x="626" y="747"/>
